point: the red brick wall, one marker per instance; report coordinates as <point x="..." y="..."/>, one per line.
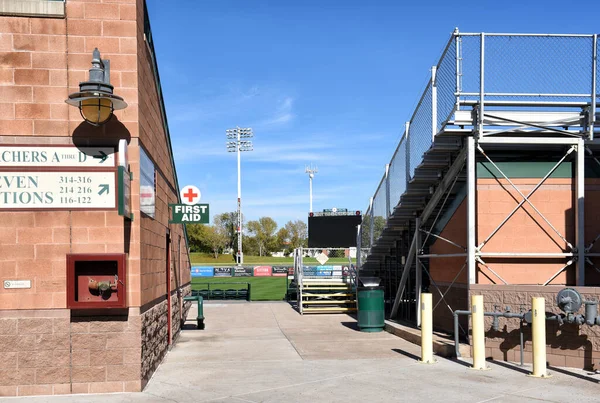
<point x="42" y="60"/>
<point x="526" y="231"/>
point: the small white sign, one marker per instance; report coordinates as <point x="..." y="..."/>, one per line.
<point x="17" y="283"/>
<point x="49" y="156"/>
<point x="51" y="190"/>
<point x="190" y="195"/>
<point x="322" y="258"/>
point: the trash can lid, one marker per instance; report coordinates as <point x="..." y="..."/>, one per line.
<point x="370" y="281"/>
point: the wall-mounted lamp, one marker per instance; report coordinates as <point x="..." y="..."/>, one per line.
<point x="95" y="99"/>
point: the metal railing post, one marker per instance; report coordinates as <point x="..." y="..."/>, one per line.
<point x="371" y="218"/>
<point x="458" y="67"/>
<point x="407" y="139"/>
<point x="592" y="119"/>
<point x="387" y="191"/>
<point x="433" y="104"/>
<point x="481" y="87"/>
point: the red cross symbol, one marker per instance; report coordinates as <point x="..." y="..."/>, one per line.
<point x="190" y="195"/>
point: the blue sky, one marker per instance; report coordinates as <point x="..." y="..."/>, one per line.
<point x="324" y="82"/>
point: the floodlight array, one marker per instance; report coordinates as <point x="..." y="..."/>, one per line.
<point x="244" y="132"/>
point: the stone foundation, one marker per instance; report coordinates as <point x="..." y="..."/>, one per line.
<point x="567" y="345"/>
<point x="154" y="339"/>
<point x="52" y="352"/>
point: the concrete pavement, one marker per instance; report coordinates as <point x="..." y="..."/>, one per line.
<point x="266" y="352"/>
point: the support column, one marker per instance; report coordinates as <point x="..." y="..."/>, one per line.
<point x="471" y="210"/>
<point x="418" y="269"/>
<point x="579" y="212"/>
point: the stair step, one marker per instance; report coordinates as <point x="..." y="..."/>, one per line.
<point x="328" y="309"/>
<point x="331" y="302"/>
<point x="328" y="295"/>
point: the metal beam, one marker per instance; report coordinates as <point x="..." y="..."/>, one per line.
<point x="528" y="140"/>
<point x="418" y="270"/>
<point x="445" y="184"/>
<point x="471" y="209"/>
<point x="409" y="260"/>
<point x="580" y="213"/>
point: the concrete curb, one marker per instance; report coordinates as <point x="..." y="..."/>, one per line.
<point x="441" y="346"/>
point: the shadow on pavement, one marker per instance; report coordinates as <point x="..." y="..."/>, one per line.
<point x="406" y="353"/>
<point x="569" y="373"/>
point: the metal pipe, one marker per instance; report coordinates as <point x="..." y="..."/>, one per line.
<point x="509" y="315"/>
<point x="521" y="341"/>
<point x="456" y="342"/>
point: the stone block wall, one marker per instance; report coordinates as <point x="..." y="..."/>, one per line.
<point x="155" y="341"/>
<point x="51" y="352"/>
<point x="567" y="345"/>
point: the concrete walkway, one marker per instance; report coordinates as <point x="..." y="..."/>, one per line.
<point x="266" y="352"/>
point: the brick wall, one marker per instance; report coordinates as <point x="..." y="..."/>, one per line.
<point x="42" y="60"/>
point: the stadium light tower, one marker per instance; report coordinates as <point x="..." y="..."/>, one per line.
<point x="238" y="145"/>
<point x="311" y="174"/>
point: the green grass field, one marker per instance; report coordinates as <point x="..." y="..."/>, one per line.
<point x="205" y="259"/>
<point x="262" y="288"/>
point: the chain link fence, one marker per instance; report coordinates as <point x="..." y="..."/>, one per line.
<point x="397" y="174"/>
<point x="516" y="68"/>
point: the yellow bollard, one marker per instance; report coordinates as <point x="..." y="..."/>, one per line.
<point x="426" y="329"/>
<point x="538" y="337"/>
<point x="478" y="332"/>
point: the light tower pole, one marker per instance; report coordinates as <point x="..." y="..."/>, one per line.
<point x="311" y="174"/>
<point x="238" y="145"/>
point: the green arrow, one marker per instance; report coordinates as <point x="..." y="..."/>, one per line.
<point x="102" y="156"/>
<point x="103" y="188"/>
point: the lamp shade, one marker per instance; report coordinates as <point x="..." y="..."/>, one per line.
<point x="95" y="99"/>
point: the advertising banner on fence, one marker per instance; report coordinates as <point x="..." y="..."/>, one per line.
<point x="243" y="271"/>
<point x="262" y="271"/>
<point x="337" y="270"/>
<point x="324" y="270"/>
<point x="280" y="271"/>
<point x="223" y="271"/>
<point x="203" y="271"/>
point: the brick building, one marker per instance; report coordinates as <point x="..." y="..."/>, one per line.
<point x="57" y="334"/>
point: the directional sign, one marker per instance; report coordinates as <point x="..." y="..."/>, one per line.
<point x="184" y="214"/>
<point x="190" y="195"/>
<point x="57" y="190"/>
<point x="49" y="156"/>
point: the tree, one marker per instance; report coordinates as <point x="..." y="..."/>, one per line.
<point x="282" y="239"/>
<point x="198" y="238"/>
<point x="264" y="232"/>
<point x="378" y="225"/>
<point x="217" y="235"/>
<point x="229" y="223"/>
<point x="297" y="234"/>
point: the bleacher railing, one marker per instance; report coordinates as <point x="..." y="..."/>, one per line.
<point x="478" y="67"/>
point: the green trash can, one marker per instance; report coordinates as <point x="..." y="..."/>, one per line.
<point x="370" y="300"/>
